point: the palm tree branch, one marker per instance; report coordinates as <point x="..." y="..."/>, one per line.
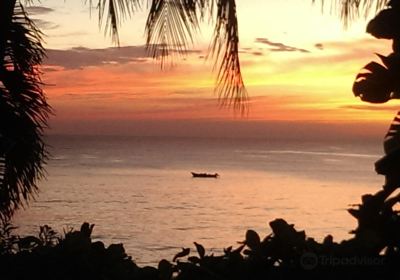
<point x="170" y="27"/>
<point x="350" y="10"/>
<point x="111" y="13"/>
<point x="24" y="112"/>
<point x="225" y="51"/>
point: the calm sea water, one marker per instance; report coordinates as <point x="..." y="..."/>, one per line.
<point x="139" y="191"/>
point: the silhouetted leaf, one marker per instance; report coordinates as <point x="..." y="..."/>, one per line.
<point x="350" y="10"/>
<point x="194" y="259"/>
<point x="225" y="50"/>
<point x="28" y="242"/>
<point x="87" y="229"/>
<point x="183" y="253"/>
<point x="252" y="239"/>
<point x="200" y="250"/>
<point x="228" y="250"/>
<point x="379" y="83"/>
<point x="239" y="249"/>
<point x="165" y="269"/>
<point x="111" y="13"/>
<point x="392" y="137"/>
<point x="169" y="27"/>
<point x="354" y="212"/>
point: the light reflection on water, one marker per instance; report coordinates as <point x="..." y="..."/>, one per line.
<point x="155" y="208"/>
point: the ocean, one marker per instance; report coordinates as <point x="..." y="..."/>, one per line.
<point x="139" y="190"/>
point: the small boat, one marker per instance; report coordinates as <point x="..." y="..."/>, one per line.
<point x="204" y="175"/>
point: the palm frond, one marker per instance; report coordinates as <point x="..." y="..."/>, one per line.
<point x="169" y="31"/>
<point x="111" y="13"/>
<point x="225" y="50"/>
<point x="350" y="10"/>
<point x="24" y="112"/>
<point x="24" y="50"/>
<point x="170" y="26"/>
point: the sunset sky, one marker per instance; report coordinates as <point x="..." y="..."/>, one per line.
<point x="298" y="63"/>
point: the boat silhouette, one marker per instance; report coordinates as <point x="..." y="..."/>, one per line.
<point x="204" y="175"/>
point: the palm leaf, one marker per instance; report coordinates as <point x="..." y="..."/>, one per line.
<point x="170" y="26"/>
<point x="169" y="30"/>
<point x="111" y="13"/>
<point x="24" y="112"/>
<point x="350" y="10"/>
<point x="225" y="50"/>
<point x="379" y="83"/>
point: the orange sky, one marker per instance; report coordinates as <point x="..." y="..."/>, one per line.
<point x="298" y="67"/>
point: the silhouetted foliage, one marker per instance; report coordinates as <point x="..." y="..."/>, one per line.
<point x="380" y="83"/>
<point x="349" y="10"/>
<point x="23" y="108"/>
<point x="373" y="253"/>
<point x="170" y="29"/>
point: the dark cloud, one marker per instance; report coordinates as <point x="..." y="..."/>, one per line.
<point x="319" y="46"/>
<point x="38" y="10"/>
<point x="251" y="51"/>
<point x="279" y="47"/>
<point x="186" y="51"/>
<point x="88" y="96"/>
<point x="372" y="107"/>
<point x="81" y="57"/>
<point x="50" y="69"/>
<point x="70" y="34"/>
<point x="257" y="53"/>
<point x="186" y="93"/>
<point x="44" y="24"/>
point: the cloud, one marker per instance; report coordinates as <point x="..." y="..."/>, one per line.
<point x="70" y="34"/>
<point x="80" y="57"/>
<point x="257" y="53"/>
<point x="251" y="51"/>
<point x="319" y="46"/>
<point x="339" y="58"/>
<point x="372" y="107"/>
<point x="279" y="47"/>
<point x="101" y="96"/>
<point x="50" y="69"/>
<point x="38" y="10"/>
<point x="45" y="24"/>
